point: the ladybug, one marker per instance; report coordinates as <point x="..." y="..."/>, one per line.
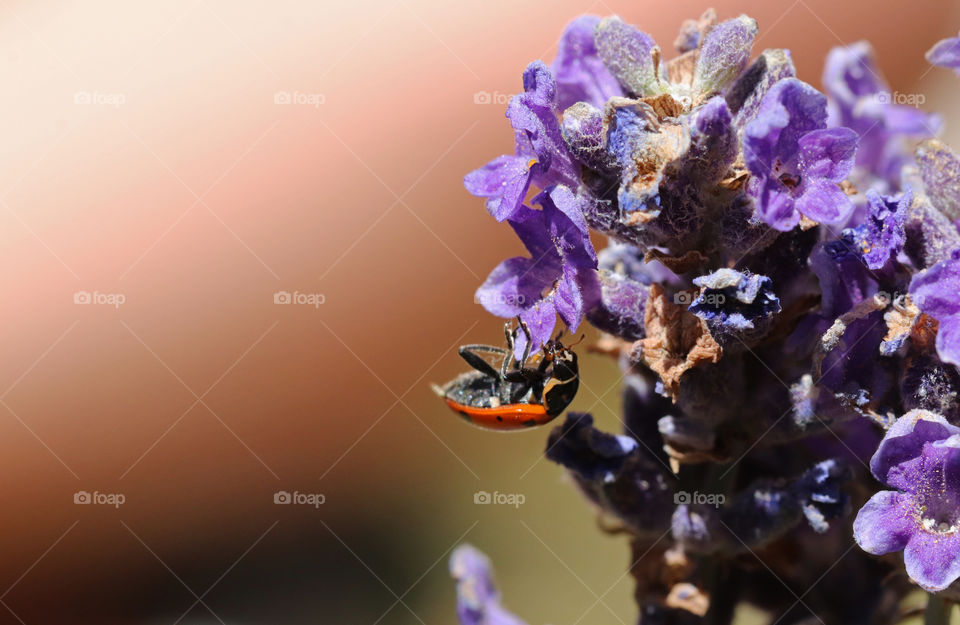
<point x="515" y="397"/>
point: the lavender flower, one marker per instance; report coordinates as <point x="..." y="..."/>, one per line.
<point x="478" y="600"/>
<point x="798" y="163"/>
<point x="859" y="99"/>
<point x="555" y="278"/>
<point x="781" y="278"/>
<point x="882" y="236"/>
<point x="920" y="457"/>
<point x="540" y="158"/>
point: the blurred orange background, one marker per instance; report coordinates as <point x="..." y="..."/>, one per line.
<point x="177" y="165"/>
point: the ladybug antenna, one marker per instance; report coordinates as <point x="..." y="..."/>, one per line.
<point x="559" y="334"/>
<point x="580" y="340"/>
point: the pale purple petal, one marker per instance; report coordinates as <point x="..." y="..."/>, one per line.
<point x="885" y="523"/>
<point x="904" y="442"/>
<point x="478" y="601"/>
<point x="824" y="202"/>
<point x="509" y="288"/>
<point x="504" y="182"/>
<point x="946" y="53"/>
<point x="937" y="292"/>
<point x="828" y="153"/>
<point x="933" y="560"/>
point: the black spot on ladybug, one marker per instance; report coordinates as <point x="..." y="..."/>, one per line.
<point x="499" y="418"/>
<point x="530" y="422"/>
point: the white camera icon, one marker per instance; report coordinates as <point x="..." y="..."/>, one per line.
<point x="282" y="97"/>
<point x="81" y="297"/>
<point x="482" y="497"/>
<point x="82" y="97"/>
<point x="683" y="298"/>
<point x="282" y="297"/>
<point x="282" y="497"/>
<point x="682" y="498"/>
<point x="482" y="97"/>
<point x="81" y="497"/>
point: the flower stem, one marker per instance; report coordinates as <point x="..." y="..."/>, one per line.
<point x="937" y="612"/>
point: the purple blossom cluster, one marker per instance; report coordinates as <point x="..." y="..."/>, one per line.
<point x="781" y="289"/>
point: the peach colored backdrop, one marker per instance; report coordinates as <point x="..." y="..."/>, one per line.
<point x="179" y="163"/>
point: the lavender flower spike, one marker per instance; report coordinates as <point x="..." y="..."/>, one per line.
<point x="771" y="250"/>
<point x="478" y="601"/>
<point x="920" y="457"/>
<point x="946" y="53"/>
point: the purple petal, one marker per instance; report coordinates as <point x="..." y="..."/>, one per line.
<point x="562" y="199"/>
<point x="478" y="601"/>
<point x="885" y="523"/>
<point x="933" y="559"/>
<point x="746" y="95"/>
<point x="946" y="53"/>
<point x="628" y="54"/>
<point x="776" y="206"/>
<point x="581" y="75"/>
<point x="568" y="300"/>
<point x="509" y="288"/>
<point x="935" y="291"/>
<point x="621" y="306"/>
<point x="882" y="235"/>
<point x="723" y="55"/>
<point x="540" y="319"/>
<point x="828" y="153"/>
<point x="824" y="202"/>
<point x="904" y="442"/>
<point x="504" y="182"/>
<point x="539" y="86"/>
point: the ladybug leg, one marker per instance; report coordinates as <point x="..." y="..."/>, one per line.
<point x="526" y="379"/>
<point x="526" y="348"/>
<point x="469" y="353"/>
